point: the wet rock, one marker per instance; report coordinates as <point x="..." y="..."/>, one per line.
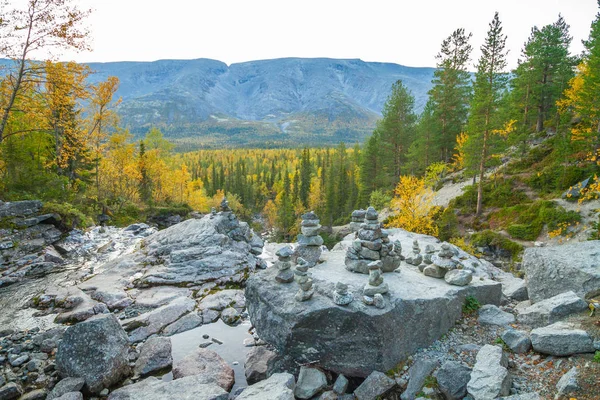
<point x="517" y="341"/>
<point x="154" y="321"/>
<point x="185" y="323"/>
<point x="276" y="387"/>
<point x="554" y="270"/>
<point x="259" y="361"/>
<point x="206" y="364"/>
<point x="377" y="384"/>
<point x="311" y="382"/>
<point x="10" y="391"/>
<point x="155" y="356"/>
<point x="452" y="378"/>
<point x="567" y="384"/>
<point x="551" y="310"/>
<point x="490" y="378"/>
<point x="492" y="315"/>
<point x="95" y="350"/>
<point x="189" y="387"/>
<point x="417" y="374"/>
<point x="561" y="339"/>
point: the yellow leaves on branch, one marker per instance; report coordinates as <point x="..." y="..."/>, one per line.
<point x="413" y="207"/>
<point x="459" y="157"/>
<point x="506" y="130"/>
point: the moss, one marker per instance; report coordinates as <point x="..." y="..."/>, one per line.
<point x="71" y="216"/>
<point x="493" y="239"/>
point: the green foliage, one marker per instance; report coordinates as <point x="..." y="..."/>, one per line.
<point x="380" y="199"/>
<point x="430" y="382"/>
<point x="471" y="305"/>
<point x="597" y="357"/>
<point x="496" y="194"/>
<point x="71" y="217"/>
<point x="525" y="231"/>
<point x="501" y="342"/>
<point x="495" y="240"/>
<point x="447" y="224"/>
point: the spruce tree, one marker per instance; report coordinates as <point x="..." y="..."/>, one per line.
<point x="305" y="173"/>
<point x="590" y="90"/>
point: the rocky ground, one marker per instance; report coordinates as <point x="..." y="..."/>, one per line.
<point x="134" y="313"/>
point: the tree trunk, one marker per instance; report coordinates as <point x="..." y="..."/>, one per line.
<point x="482" y="164"/>
<point x="539" y="126"/>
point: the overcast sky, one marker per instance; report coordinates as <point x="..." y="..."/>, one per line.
<point x="399" y="31"/>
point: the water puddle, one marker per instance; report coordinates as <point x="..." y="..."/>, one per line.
<point x="232" y="350"/>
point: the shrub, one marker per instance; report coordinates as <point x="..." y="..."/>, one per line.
<point x="379" y="199"/>
<point x="495" y="240"/>
<point x="525" y="231"/>
<point x="471" y="305"/>
<point x="71" y="217"/>
<point x="447" y="224"/>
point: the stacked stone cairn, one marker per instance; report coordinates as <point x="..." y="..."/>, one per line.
<point x="373" y="291"/>
<point x="372" y="244"/>
<point x="357" y="218"/>
<point x="284" y="264"/>
<point x="415" y="258"/>
<point x="442" y="262"/>
<point x="225" y="206"/>
<point x="306" y="284"/>
<point x="341" y="296"/>
<point x="427" y="257"/>
<point x="309" y="241"/>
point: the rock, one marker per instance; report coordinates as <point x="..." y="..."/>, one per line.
<point x="159" y="296"/>
<point x="523" y="396"/>
<point x="417" y="373"/>
<point x="185" y="323"/>
<point x="490" y="378"/>
<point x="452" y="378"/>
<point x="567" y="384"/>
<point x="20" y="208"/>
<point x="311" y="382"/>
<point x="277" y="387"/>
<point x="10" y="391"/>
<point x="155" y="356"/>
<point x="95" y="350"/>
<point x="341" y="384"/>
<point x="561" y="339"/>
<point x="341" y="296"/>
<point x="554" y="270"/>
<point x="38" y="394"/>
<point x="492" y="315"/>
<point x="551" y="310"/>
<point x="154" y="321"/>
<point x="222" y="299"/>
<point x="459" y="277"/>
<point x="17" y="361"/>
<point x="374" y="339"/>
<point x="189" y="387"/>
<point x="208" y="365"/>
<point x="259" y="361"/>
<point x="517" y="341"/>
<point x="377" y="384"/>
<point x="71" y="396"/>
<point x="512" y="287"/>
<point x="230" y="316"/>
<point x="65" y="386"/>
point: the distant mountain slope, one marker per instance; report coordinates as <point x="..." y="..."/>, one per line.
<point x="289" y="101"/>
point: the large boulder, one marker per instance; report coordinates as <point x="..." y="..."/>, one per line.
<point x="561" y="339"/>
<point x="551" y="310"/>
<point x="490" y="378"/>
<point x="190" y="387"/>
<point x="277" y="387"/>
<point x="95" y="350"/>
<point x="554" y="270"/>
<point x="259" y="361"/>
<point x="357" y="339"/>
<point x="155" y="356"/>
<point x="208" y="366"/>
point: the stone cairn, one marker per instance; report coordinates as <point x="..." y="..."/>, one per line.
<point x="284" y="264"/>
<point x="306" y="284"/>
<point x="341" y="296"/>
<point x="372" y="244"/>
<point x="427" y="257"/>
<point x="309" y="241"/>
<point x="415" y="258"/>
<point x="357" y="218"/>
<point x="225" y="205"/>
<point x="374" y="290"/>
<point x="442" y="262"/>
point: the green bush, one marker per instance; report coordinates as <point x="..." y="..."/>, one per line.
<point x="379" y="200"/>
<point x="525" y="231"/>
<point x="447" y="224"/>
<point x="471" y="305"/>
<point x="493" y="239"/>
<point x="71" y="217"/>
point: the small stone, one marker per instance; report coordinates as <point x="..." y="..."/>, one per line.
<point x="341" y="384"/>
<point x="311" y="381"/>
<point x="458" y="277"/>
<point x="205" y="344"/>
<point x="567" y="384"/>
<point x="377" y="384"/>
<point x="517" y="341"/>
<point x="492" y="315"/>
<point x="10" y="391"/>
<point x="378" y="301"/>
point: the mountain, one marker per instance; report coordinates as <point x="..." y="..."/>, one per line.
<point x="280" y="102"/>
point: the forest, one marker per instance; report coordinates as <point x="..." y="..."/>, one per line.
<point x="522" y="136"/>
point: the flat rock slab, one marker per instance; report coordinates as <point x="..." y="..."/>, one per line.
<point x="357" y="339"/>
<point x="551" y="310"/>
<point x="190" y="387"/>
<point x="561" y="339"/>
<point x="208" y="366"/>
<point x="376" y="385"/>
<point x="557" y="269"/>
<point x="155" y="356"/>
<point x="277" y="387"/>
<point x="490" y="378"/>
<point x="490" y="314"/>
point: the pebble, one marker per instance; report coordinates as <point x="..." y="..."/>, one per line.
<point x="217" y="341"/>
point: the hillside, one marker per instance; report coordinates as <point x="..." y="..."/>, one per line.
<point x="290" y="101"/>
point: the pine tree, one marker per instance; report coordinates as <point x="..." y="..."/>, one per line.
<point x="590" y="90"/>
<point x="489" y="88"/>
<point x="305" y="173"/>
<point x="426" y="148"/>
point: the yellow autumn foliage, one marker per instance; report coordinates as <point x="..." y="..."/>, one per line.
<point x="413" y="207"/>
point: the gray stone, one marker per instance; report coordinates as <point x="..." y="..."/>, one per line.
<point x="490" y="378"/>
<point x="341" y="384"/>
<point x="276" y="387"/>
<point x="19" y="360"/>
<point x="259" y="361"/>
<point x="567" y="384"/>
<point x="523" y="396"/>
<point x="230" y="316"/>
<point x="210" y="316"/>
<point x="38" y="394"/>
<point x="328" y="395"/>
<point x="417" y="373"/>
<point x="452" y="378"/>
<point x="65" y="386"/>
<point x="561" y="339"/>
<point x="551" y="310"/>
<point x="377" y="384"/>
<point x="152" y="322"/>
<point x="284" y="252"/>
<point x="286" y="276"/>
<point x="310" y="230"/>
<point x="492" y="315"/>
<point x="20" y="208"/>
<point x="554" y="270"/>
<point x="512" y="287"/>
<point x="374" y="339"/>
<point x="459" y="277"/>
<point x="208" y="365"/>
<point x="310" y="240"/>
<point x="222" y="299"/>
<point x="341" y="296"/>
<point x="159" y="296"/>
<point x="311" y="382"/>
<point x="10" y="391"/>
<point x="189" y="387"/>
<point x="517" y="341"/>
<point x="155" y="356"/>
<point x="71" y="396"/>
<point x="95" y="350"/>
<point x="185" y="323"/>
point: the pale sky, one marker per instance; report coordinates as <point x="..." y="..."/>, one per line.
<point x="400" y="31"/>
